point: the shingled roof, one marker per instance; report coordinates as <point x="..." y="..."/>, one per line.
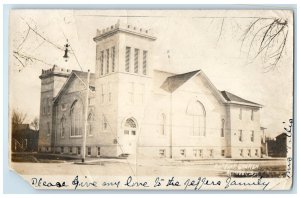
<point x="230" y="97"/>
<point x="174" y="82"/>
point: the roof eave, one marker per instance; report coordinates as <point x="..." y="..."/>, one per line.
<point x="245" y="104"/>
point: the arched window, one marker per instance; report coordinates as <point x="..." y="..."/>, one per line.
<point x="223" y="128"/>
<point x="162" y="124"/>
<point x="62" y="126"/>
<point x="76" y="113"/>
<point x="197" y="113"/>
<point x="130" y="127"/>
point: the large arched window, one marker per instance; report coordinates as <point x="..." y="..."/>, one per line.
<point x="62" y="126"/>
<point x="197" y="113"/>
<point x="76" y="113"/>
<point x="130" y="127"/>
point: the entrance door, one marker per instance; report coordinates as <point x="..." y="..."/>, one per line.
<point x="130" y="136"/>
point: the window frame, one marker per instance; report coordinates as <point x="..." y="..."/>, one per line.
<point x="136" y="60"/>
<point x="145" y="62"/>
<point x="198" y="120"/>
<point x="89" y="151"/>
<point x="76" y="112"/>
<point x="240" y="135"/>
<point x="162" y="153"/>
<point x="127" y="58"/>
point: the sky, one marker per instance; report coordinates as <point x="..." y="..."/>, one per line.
<point x="195" y="39"/>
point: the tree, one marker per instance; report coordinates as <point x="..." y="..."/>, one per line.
<point x="35" y="123"/>
<point x="266" y="38"/>
<point x="17" y="118"/>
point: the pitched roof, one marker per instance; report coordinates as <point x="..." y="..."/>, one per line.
<point x="174" y="82"/>
<point x="82" y="76"/>
<point x="230" y="97"/>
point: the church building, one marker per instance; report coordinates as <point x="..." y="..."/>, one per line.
<point x="129" y="108"/>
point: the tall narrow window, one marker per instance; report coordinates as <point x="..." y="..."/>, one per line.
<point x="162" y="126"/>
<point x="104" y="123"/>
<point x="252" y="114"/>
<point x="127" y="59"/>
<point x="198" y="118"/>
<point x="62" y="126"/>
<point x="252" y="136"/>
<point x="89" y="151"/>
<point x="223" y="128"/>
<point x="182" y="152"/>
<point x="200" y="151"/>
<point x="145" y="62"/>
<point x="101" y="62"/>
<point x="98" y="151"/>
<point x="136" y="60"/>
<point x="195" y="152"/>
<point x="90" y="124"/>
<point x="222" y="152"/>
<point x="113" y="56"/>
<point x="107" y="61"/>
<point x="240" y="135"/>
<point x="241" y="152"/>
<point x="256" y="152"/>
<point x="76" y="118"/>
<point x="241" y="114"/>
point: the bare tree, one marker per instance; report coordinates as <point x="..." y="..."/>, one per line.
<point x="17" y="118"/>
<point x="266" y="38"/>
<point x="35" y="123"/>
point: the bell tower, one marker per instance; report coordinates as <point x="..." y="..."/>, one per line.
<point x="123" y="76"/>
<point x="123" y="48"/>
<point x="52" y="81"/>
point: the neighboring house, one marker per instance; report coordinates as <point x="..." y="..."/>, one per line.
<point x="24" y="139"/>
<point x="134" y="109"/>
<point x="278" y="147"/>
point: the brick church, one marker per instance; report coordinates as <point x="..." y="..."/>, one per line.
<point x="127" y="107"/>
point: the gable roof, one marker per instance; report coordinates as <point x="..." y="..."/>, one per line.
<point x="82" y="76"/>
<point x="174" y="82"/>
<point x="232" y="98"/>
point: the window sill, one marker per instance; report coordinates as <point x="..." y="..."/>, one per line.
<point x="76" y="136"/>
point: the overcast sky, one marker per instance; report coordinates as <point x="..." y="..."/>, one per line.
<point x="207" y="40"/>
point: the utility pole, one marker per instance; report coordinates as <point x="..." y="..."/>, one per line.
<point x="86" y="116"/>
